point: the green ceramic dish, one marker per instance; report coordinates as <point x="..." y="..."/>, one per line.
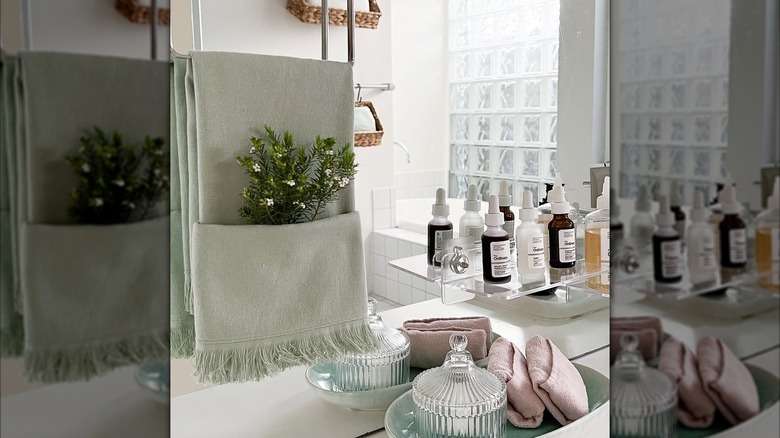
<point x="768" y="386"/>
<point x="399" y="419"/>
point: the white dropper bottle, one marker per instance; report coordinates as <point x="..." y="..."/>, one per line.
<point x="471" y="223"/>
<point x="702" y="262"/>
<point x="496" y="256"/>
<point x="529" y="241"/>
<point x="642" y="223"/>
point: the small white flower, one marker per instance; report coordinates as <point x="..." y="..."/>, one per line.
<point x="98" y="202"/>
<point x="252" y="150"/>
<point x="328" y="152"/>
<point x="269" y="202"/>
<point x="85" y="167"/>
<point x="278" y="155"/>
<point x="256" y="167"/>
<point x="158" y="152"/>
<point x="344" y="182"/>
<point x="131" y="205"/>
<point x="157" y="172"/>
<point x="328" y="172"/>
<point x="119" y="183"/>
<point x="291" y="183"/>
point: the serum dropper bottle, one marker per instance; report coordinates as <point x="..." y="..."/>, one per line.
<point x="496" y="257"/>
<point x="530" y="243"/>
<point x="597" y="249"/>
<point x="702" y="263"/>
<point x="732" y="230"/>
<point x="768" y="240"/>
<point x="666" y="246"/>
<point x="504" y="201"/>
<point x="562" y="234"/>
<point x="471" y="223"/>
<point x="439" y="228"/>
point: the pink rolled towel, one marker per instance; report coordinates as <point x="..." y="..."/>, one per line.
<point x="524" y="407"/>
<point x="647" y="329"/>
<point x="695" y="409"/>
<point x="556" y="380"/>
<point x="428" y="348"/>
<point x="467" y="322"/>
<point x="727" y="380"/>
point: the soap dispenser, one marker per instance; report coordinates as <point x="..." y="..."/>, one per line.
<point x="597" y="249"/>
<point x="504" y="202"/>
<point x="666" y="246"/>
<point x="496" y="256"/>
<point x="768" y="240"/>
<point x="439" y="228"/>
<point x="471" y="223"/>
<point x="732" y="231"/>
<point x="642" y="223"/>
<point x="529" y="243"/>
<point x="702" y="263"/>
<point x="562" y="235"/>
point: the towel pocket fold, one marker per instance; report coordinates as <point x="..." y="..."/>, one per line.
<point x="95" y="297"/>
<point x="268" y="297"/>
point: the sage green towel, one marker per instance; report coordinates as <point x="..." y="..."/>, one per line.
<point x="92" y="297"/>
<point x="269" y="297"/>
<point x="11" y="327"/>
<point x="95" y="297"/>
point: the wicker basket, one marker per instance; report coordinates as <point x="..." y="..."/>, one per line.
<point x="313" y="14"/>
<point x="373" y="138"/>
<point x="140" y="14"/>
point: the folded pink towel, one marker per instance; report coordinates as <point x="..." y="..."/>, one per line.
<point x="726" y="380"/>
<point x="524" y="407"/>
<point x="428" y="348"/>
<point x="556" y="380"/>
<point x="469" y="322"/>
<point x="647" y="329"/>
<point x="695" y="409"/>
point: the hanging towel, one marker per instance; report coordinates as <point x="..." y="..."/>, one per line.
<point x="11" y="326"/>
<point x="524" y="407"/>
<point x="182" y="322"/>
<point x="95" y="297"/>
<point x="695" y="409"/>
<point x="268" y="297"/>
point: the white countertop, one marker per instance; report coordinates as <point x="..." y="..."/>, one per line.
<point x="284" y="405"/>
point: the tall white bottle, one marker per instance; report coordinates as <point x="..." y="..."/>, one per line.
<point x="702" y="260"/>
<point x="472" y="223"/>
<point x="529" y="241"/>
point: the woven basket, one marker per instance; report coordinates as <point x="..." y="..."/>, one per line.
<point x="373" y="138"/>
<point x="140" y="14"/>
<point x="313" y="14"/>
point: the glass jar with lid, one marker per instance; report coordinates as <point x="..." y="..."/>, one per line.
<point x="459" y="399"/>
<point x="385" y="366"/>
<point x="643" y="400"/>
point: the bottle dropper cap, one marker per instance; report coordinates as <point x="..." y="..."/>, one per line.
<point x="504" y="198"/>
<point x="440" y="208"/>
<point x="494" y="217"/>
<point x="773" y="200"/>
<point x="728" y="199"/>
<point x="472" y="203"/>
<point x="699" y="213"/>
<point x="674" y="194"/>
<point x="557" y="197"/>
<point x="528" y="212"/>
<point x="643" y="201"/>
<point x="602" y="201"/>
<point x="665" y="217"/>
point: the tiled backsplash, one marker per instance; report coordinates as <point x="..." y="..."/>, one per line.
<point x="392" y="283"/>
<point x="421" y="184"/>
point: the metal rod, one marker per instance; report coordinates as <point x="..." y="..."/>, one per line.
<point x="325" y="19"/>
<point x="153" y="29"/>
<point x="197" y="29"/>
<point x="351" y="32"/>
<point x="389" y="86"/>
<point x="26" y="19"/>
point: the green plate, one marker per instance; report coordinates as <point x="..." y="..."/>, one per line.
<point x="399" y="419"/>
<point x="768" y="386"/>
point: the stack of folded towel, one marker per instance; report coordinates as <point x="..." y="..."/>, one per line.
<point x="429" y="338"/>
<point x="647" y="330"/>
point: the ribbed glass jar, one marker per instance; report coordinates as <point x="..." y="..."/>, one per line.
<point x="387" y="365"/>
<point x="643" y="400"/>
<point x="459" y="399"/>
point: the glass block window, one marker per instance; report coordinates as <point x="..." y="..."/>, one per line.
<point x="503" y="57"/>
<point x="674" y="62"/>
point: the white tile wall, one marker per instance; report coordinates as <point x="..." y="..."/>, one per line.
<point x="383" y="208"/>
<point x="421" y="184"/>
<point x="391" y="283"/>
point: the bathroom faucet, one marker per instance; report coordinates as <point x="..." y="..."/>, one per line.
<point x="408" y="156"/>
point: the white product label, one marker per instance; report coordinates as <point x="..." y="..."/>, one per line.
<point x="441" y="237"/>
<point x="566" y="245"/>
<point x="706" y="257"/>
<point x="475" y="232"/>
<point x="536" y="252"/>
<point x="670" y="259"/>
<point x="775" y="244"/>
<point x="738" y="245"/>
<point x="509" y="227"/>
<point x="604" y="246"/>
<point x="500" y="258"/>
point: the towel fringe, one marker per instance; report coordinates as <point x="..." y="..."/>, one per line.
<point x="254" y="364"/>
<point x="85" y="362"/>
<point x="12" y="339"/>
<point x="183" y="339"/>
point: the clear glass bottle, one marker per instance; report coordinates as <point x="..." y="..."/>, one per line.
<point x="459" y="399"/>
<point x="471" y="223"/>
<point x="439" y="228"/>
<point x="597" y="245"/>
<point x="530" y="243"/>
<point x="642" y="224"/>
<point x="578" y="218"/>
<point x="385" y="366"/>
<point x="643" y="400"/>
<point x="702" y="261"/>
<point x="768" y="240"/>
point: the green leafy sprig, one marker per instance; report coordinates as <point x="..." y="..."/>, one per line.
<point x="289" y="185"/>
<point x="117" y="184"/>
